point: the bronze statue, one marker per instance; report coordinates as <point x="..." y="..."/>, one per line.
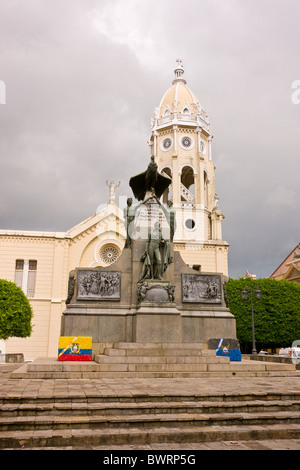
<point x="71" y="286"/>
<point x="154" y="243"/>
<point x="129" y="215"/>
<point x="170" y="216"/>
<point x="150" y="180"/>
<point x="146" y="271"/>
<point x="171" y="219"/>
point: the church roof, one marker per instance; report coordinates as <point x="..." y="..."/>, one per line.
<point x="293" y="273"/>
<point x="293" y="258"/>
<point x="179" y="98"/>
<point x="179" y="105"/>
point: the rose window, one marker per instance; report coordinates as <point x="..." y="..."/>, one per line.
<point x="186" y="142"/>
<point x="167" y="143"/>
<point x="109" y="254"/>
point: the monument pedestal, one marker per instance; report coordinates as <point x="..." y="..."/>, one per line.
<point x="149" y="294"/>
<point x="165" y="310"/>
<point x="155" y="324"/>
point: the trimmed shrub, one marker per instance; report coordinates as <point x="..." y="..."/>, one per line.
<point x="15" y="311"/>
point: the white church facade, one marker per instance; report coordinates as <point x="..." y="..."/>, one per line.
<point x="40" y="262"/>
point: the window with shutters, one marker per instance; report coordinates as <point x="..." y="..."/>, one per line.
<point x="31" y="278"/>
<point x="19" y="272"/>
<point x="25" y="275"/>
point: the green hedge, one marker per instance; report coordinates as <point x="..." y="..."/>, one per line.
<point x="15" y="311"/>
<point x="276" y="315"/>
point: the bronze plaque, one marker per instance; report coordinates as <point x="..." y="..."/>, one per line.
<point x="98" y="285"/>
<point x="201" y="288"/>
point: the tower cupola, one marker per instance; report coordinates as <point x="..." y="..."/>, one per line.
<point x="179" y="73"/>
<point x="179" y="105"/>
<point x="180" y="142"/>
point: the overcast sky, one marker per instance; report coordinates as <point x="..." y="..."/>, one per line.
<point x="83" y="77"/>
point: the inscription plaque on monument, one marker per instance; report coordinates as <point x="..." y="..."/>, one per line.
<point x="201" y="288"/>
<point x="147" y="215"/>
<point x="98" y="285"/>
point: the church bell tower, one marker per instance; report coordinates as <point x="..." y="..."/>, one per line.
<point x="180" y="142"/>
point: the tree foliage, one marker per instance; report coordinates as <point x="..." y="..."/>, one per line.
<point x="276" y="315"/>
<point x="15" y="311"/>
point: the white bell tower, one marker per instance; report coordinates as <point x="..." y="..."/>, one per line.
<point x="180" y="141"/>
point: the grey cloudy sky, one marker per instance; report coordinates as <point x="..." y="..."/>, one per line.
<point x="83" y="77"/>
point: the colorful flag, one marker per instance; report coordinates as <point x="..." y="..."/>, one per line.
<point x="75" y="348"/>
<point x="234" y="353"/>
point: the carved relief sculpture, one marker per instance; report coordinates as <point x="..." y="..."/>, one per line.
<point x="155" y="292"/>
<point x="201" y="288"/>
<point x="98" y="285"/>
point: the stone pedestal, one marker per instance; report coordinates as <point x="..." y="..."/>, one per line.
<point x="157" y="324"/>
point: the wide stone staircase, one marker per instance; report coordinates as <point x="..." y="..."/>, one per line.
<point x="151" y="419"/>
<point x="152" y="360"/>
<point x="146" y="394"/>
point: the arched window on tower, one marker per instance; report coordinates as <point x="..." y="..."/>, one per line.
<point x="187" y="187"/>
<point x="186" y="109"/>
<point x="167" y="195"/>
<point x="166" y="111"/>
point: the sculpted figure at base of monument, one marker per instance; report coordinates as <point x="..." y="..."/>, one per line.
<point x="157" y="255"/>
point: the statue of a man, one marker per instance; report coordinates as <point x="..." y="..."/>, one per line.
<point x="71" y="286"/>
<point x="170" y="216"/>
<point x="112" y="191"/>
<point x="146" y="271"/>
<point x="129" y="215"/>
<point x="155" y="241"/>
<point x="171" y="219"/>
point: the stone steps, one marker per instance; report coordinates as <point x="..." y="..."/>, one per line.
<point x="153" y="360"/>
<point x="68" y="372"/>
<point x="55" y="408"/>
<point x="180" y="420"/>
<point x="57" y="411"/>
<point x="72" y="420"/>
<point x="176" y="360"/>
<point x="160" y="345"/>
<point x="115" y="359"/>
<point x="67" y="437"/>
<point x="159" y="350"/>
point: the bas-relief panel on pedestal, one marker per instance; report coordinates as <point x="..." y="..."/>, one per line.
<point x="98" y="285"/>
<point x="201" y="288"/>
